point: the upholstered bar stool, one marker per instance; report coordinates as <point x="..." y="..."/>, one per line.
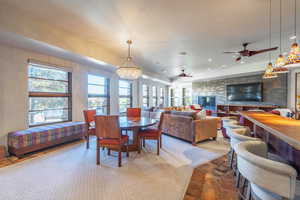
<point x="269" y="180"/>
<point x="237" y="134"/>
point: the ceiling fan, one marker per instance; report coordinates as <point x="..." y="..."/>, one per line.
<point x="247" y="53"/>
<point x="184" y="75"/>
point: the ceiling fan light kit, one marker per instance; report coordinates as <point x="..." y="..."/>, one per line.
<point x="129" y="70"/>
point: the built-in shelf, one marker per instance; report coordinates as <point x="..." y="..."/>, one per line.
<point x="233" y="110"/>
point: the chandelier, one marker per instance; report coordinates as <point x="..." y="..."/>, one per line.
<point x="129" y="70"/>
<point x="294" y="55"/>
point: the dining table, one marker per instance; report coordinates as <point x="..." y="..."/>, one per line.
<point x="132" y="125"/>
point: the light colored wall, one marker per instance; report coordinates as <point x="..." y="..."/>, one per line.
<point x="14" y="91"/>
<point x="292" y="88"/>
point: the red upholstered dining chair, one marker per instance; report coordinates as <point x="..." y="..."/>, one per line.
<point x="109" y="135"/>
<point x="151" y="134"/>
<point x="89" y="117"/>
<point x="134" y="112"/>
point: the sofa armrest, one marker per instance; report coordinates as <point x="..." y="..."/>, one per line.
<point x="205" y="129"/>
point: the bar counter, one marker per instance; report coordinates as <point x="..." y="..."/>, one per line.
<point x="280" y="133"/>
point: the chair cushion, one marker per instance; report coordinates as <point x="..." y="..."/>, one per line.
<point x="149" y="132"/>
<point x="44" y="134"/>
<point x="124" y="139"/>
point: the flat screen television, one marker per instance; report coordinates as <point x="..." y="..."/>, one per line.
<point x="244" y="92"/>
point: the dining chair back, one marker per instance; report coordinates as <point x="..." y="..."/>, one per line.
<point x="268" y="179"/>
<point x="108" y="127"/>
<point x="89" y="118"/>
<point x="109" y="135"/>
<point x="134" y="112"/>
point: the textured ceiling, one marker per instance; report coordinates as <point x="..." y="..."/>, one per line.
<point x="161" y="29"/>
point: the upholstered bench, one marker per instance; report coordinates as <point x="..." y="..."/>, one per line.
<point x="36" y="138"/>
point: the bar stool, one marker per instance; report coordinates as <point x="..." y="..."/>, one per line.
<point x="237" y="134"/>
<point x="269" y="180"/>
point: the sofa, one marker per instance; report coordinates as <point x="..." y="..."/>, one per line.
<point x="187" y="126"/>
<point x="37" y="138"/>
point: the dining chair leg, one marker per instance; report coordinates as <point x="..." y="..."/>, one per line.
<point x="108" y="151"/>
<point x="120" y="157"/>
<point x="144" y="142"/>
<point x="158" y="145"/>
<point x="160" y="141"/>
<point x="98" y="153"/>
<point x="127" y="152"/>
<point x="139" y="144"/>
<point x="87" y="141"/>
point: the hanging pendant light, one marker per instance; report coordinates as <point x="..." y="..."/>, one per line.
<point x="269" y="70"/>
<point x="294" y="55"/>
<point x="280" y="62"/>
<point x="129" y="70"/>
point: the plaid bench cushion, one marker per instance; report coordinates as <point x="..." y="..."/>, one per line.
<point x="43" y="134"/>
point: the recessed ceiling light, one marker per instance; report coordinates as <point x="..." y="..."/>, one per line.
<point x="293" y="37"/>
<point x="242" y="62"/>
<point x="210" y="60"/>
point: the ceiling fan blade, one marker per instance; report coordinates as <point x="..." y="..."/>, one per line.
<point x="231" y="52"/>
<point x="262" y="51"/>
<point x="238" y="59"/>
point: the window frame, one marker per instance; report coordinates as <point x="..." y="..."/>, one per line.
<point x="126" y="96"/>
<point x="154" y="96"/>
<point x="50" y="94"/>
<point x="162" y="96"/>
<point x="107" y="95"/>
<point x="147" y="97"/>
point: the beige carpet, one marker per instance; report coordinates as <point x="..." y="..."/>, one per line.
<point x="71" y="173"/>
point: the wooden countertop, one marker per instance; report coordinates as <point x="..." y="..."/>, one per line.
<point x="284" y="128"/>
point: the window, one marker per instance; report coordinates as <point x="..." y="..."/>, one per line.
<point x="154" y="96"/>
<point x="186" y="96"/>
<point x="162" y="97"/>
<point x="50" y="96"/>
<point x="175" y="97"/>
<point x="125" y="95"/>
<point x="145" y="96"/>
<point x="171" y="97"/>
<point x="98" y="94"/>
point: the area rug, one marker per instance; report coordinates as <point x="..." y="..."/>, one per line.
<point x="71" y="173"/>
<point x="212" y="181"/>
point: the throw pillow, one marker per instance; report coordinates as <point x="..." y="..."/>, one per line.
<point x="201" y="114"/>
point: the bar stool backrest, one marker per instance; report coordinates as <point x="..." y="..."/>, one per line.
<point x="264" y="174"/>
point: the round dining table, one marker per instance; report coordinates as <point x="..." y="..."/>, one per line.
<point x="134" y="124"/>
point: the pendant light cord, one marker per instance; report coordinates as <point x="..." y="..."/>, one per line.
<point x="270" y="15"/>
<point x="295" y="25"/>
<point x="129" y="53"/>
<point x="280" y="48"/>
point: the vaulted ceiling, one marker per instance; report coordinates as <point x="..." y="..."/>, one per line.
<point x="161" y="29"/>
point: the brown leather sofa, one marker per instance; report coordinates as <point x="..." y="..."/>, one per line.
<point x="186" y="126"/>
